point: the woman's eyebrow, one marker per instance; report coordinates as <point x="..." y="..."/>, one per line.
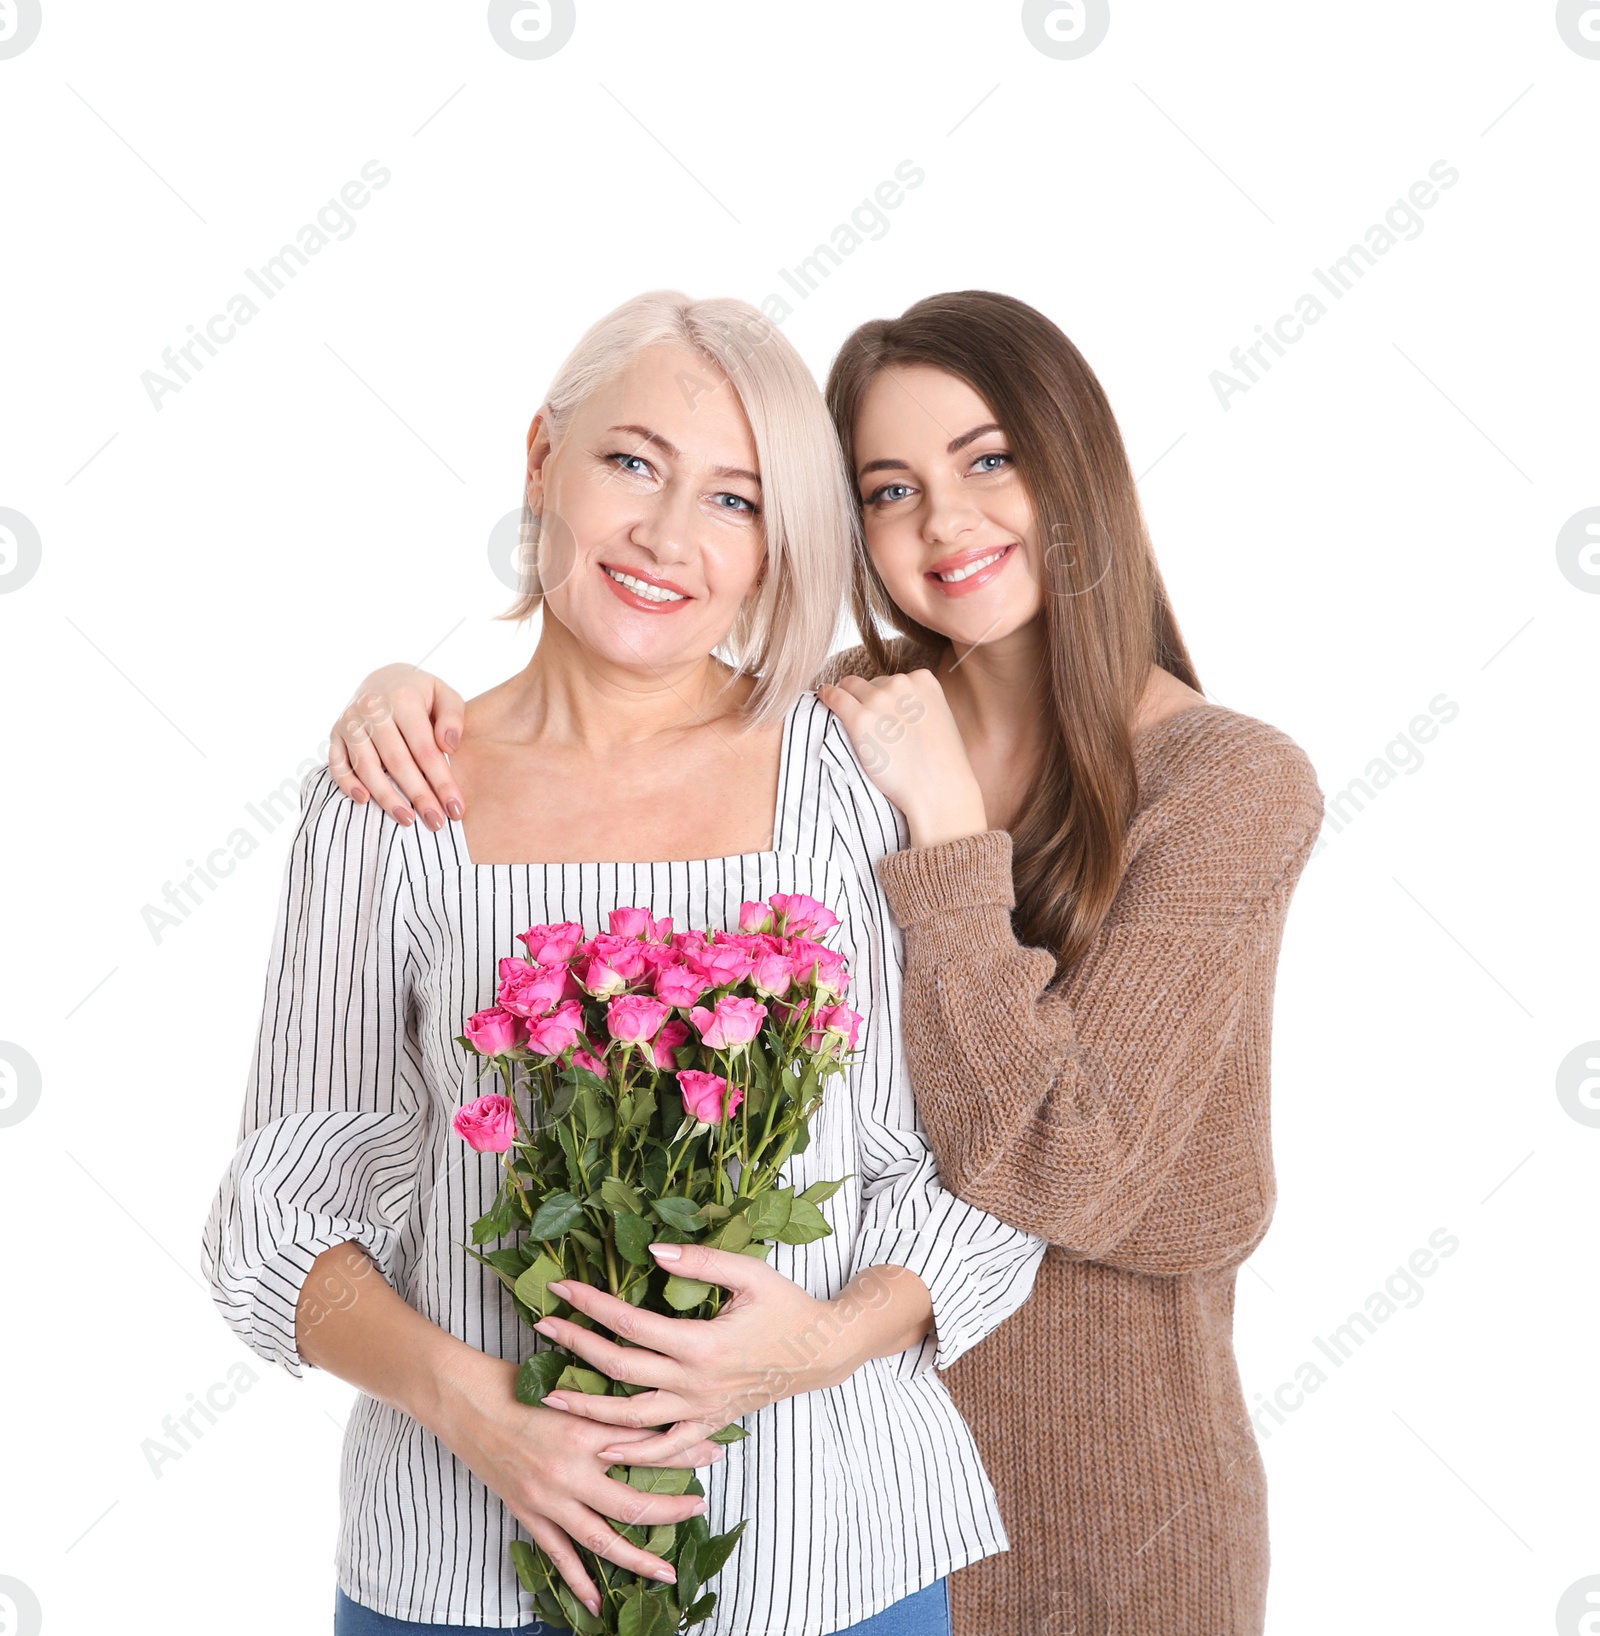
<point x="958" y="443"/>
<point x="954" y="446"/>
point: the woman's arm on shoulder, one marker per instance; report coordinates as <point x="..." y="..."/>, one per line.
<point x="1064" y="1107"/>
<point x="391" y="741"/>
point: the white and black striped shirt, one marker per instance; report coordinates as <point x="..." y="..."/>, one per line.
<point x="387" y="939"/>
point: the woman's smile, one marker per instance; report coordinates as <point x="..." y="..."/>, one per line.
<point x="969" y="571"/>
<point x="645" y="591"/>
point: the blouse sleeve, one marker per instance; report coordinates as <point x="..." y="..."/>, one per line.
<point x="334" y="1112"/>
<point x="1066" y="1107"/>
<point x="978" y="1269"/>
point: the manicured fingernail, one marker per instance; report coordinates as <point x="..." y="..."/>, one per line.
<point x="663" y="1252"/>
<point x="453" y="807"/>
<point x="452" y="739"/>
<point x="406" y="816"/>
<point x="699" y="1510"/>
<point x="666" y="1576"/>
<point x="555" y="1403"/>
<point x="433" y="820"/>
<point x="559" y="1286"/>
<point x="546" y="1328"/>
<point x="594" y="1607"/>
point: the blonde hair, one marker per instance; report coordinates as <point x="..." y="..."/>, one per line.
<point x="785" y="631"/>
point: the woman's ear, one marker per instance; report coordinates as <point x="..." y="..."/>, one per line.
<point x="538" y="453"/>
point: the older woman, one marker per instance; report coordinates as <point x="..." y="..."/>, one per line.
<point x="685" y="498"/>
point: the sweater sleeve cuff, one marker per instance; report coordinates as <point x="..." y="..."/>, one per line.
<point x="973" y="871"/>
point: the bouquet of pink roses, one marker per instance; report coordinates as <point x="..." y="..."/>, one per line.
<point x="655" y="1083"/>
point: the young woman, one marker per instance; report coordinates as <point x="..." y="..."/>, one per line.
<point x="625" y="765"/>
<point x="1100" y="866"/>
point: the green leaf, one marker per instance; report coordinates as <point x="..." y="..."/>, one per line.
<point x="576" y="1379"/>
<point x="715" y="1211"/>
<point x="633" y="1235"/>
<point x="558" y="1107"/>
<point x="821" y="1192"/>
<point x="658" y="1479"/>
<point x="576" y="1615"/>
<point x="805" y="1224"/>
<point x="497" y="1223"/>
<point x="616" y="1195"/>
<point x="555" y="1215"/>
<point x="680" y="1213"/>
<point x="654" y="1172"/>
<point x="661" y="1538"/>
<point x="711" y="1556"/>
<point x="701" y="1611"/>
<point x="538" y="1375"/>
<point x="729" y="1434"/>
<point x="588" y="1240"/>
<point x="593" y="1115"/>
<point x="510" y="1264"/>
<point x="801" y="1139"/>
<point x="683" y="1293"/>
<point x="759" y="1251"/>
<point x="688" y="1582"/>
<point x="532" y="1287"/>
<point x="549" y="1608"/>
<point x="506" y="1278"/>
<point x="769" y="1212"/>
<point x="734" y="1234"/>
<point x="647" y="1612"/>
<point x="533" y="1576"/>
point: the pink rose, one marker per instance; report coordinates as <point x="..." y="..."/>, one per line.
<point x="489" y="1125"/>
<point x="720" y="963"/>
<point x="799" y="914"/>
<point x="550" y="1036"/>
<point x="634" y="1018"/>
<point x="587" y="1059"/>
<point x="672" y="1035"/>
<point x="703" y="1094"/>
<point x="680" y="984"/>
<point x="756" y="917"/>
<point x="531" y="991"/>
<point x="494" y="1032"/>
<point x="552" y="945"/>
<point x="819" y="968"/>
<point x="640" y="923"/>
<point x="772" y="973"/>
<point x="600" y="978"/>
<point x="624" y="954"/>
<point x="733" y="1023"/>
<point x="837" y="1024"/>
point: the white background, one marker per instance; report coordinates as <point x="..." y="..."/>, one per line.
<point x="1369" y="526"/>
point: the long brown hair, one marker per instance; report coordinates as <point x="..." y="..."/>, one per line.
<point x="1107" y="617"/>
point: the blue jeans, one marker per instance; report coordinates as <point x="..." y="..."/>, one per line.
<point x="923" y="1613"/>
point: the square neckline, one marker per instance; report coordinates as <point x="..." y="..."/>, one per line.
<point x="456" y="827"/>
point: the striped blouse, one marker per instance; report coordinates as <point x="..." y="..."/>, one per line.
<point x="387" y="938"/>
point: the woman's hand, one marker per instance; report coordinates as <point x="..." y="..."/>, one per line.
<point x="770" y="1341"/>
<point x="401" y="723"/>
<point x="550" y="1469"/>
<point x="910" y="747"/>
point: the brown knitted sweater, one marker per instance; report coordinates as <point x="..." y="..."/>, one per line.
<point x="1122" y="1114"/>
